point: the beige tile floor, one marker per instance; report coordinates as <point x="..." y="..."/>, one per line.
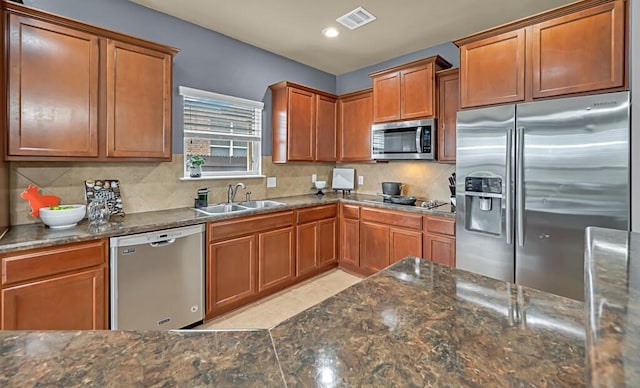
<point x="270" y="311"/>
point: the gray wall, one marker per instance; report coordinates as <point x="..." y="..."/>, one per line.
<point x="634" y="47"/>
<point x="359" y="79"/>
<point x="207" y="60"/>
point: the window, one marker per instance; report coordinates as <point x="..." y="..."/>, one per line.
<point x="225" y="132"/>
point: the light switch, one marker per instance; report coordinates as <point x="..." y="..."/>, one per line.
<point x="360" y="180"/>
<point x="314" y="178"/>
<point x="271" y="181"/>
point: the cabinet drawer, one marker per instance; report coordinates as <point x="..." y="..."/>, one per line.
<point x="248" y="225"/>
<point x="441" y="225"/>
<point x="42" y="262"/>
<point x="316" y="213"/>
<point x="387" y="217"/>
<point x="350" y="211"/>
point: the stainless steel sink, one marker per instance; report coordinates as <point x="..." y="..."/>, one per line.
<point x="222" y="209"/>
<point x="261" y="204"/>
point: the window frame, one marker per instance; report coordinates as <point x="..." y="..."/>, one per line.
<point x="254" y="140"/>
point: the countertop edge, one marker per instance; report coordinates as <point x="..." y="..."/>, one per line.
<point x="30" y="236"/>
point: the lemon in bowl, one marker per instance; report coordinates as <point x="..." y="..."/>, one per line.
<point x="62" y="216"/>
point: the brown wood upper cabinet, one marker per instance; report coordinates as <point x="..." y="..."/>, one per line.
<point x="138" y="102"/>
<point x="407" y="91"/>
<point x="578" y="48"/>
<point x="355" y="114"/>
<point x="303" y="123"/>
<point x="448" y="102"/>
<point x="94" y="95"/>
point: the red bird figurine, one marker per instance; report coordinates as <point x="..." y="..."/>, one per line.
<point x="37" y="201"/>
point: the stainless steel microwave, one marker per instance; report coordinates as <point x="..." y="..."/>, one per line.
<point x="404" y="140"/>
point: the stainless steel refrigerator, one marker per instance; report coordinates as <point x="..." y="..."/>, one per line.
<point x="531" y="177"/>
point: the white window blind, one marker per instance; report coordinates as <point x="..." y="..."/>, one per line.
<point x="225" y="131"/>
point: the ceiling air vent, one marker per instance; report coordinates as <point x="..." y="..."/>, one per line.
<point x="356" y="18"/>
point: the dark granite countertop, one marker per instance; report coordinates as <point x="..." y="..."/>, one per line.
<point x="38" y="235"/>
<point x="612" y="278"/>
<point x="415" y="323"/>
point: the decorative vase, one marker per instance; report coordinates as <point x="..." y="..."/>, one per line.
<point x="195" y="171"/>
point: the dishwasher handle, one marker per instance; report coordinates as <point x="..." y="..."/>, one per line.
<point x="158" y="244"/>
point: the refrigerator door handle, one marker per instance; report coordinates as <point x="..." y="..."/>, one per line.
<point x="507" y="188"/>
<point x="520" y="186"/>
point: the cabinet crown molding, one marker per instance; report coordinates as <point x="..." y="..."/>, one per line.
<point x="440" y="62"/>
<point x="531" y="20"/>
<point x="34" y="13"/>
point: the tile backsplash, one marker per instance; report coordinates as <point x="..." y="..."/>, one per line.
<point x="156" y="186"/>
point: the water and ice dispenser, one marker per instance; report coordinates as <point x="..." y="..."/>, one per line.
<point x="483" y="204"/>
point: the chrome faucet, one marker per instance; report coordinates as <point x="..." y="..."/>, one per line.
<point x="231" y="192"/>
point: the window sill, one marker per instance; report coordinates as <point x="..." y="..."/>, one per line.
<point x="218" y="177"/>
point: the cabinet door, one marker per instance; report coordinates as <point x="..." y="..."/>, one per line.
<point x="276" y="258"/>
<point x="492" y="70"/>
<point x="374" y="247"/>
<point x="68" y="302"/>
<point x="386" y="97"/>
<point x="300" y="124"/>
<point x="355" y="116"/>
<point x="404" y="243"/>
<point x="138" y="102"/>
<point x="325" y="135"/>
<point x="327" y="248"/>
<point x="448" y="87"/>
<point x="440" y="249"/>
<point x="52" y="93"/>
<point x="350" y="242"/>
<point x="579" y="52"/>
<point x="306" y="248"/>
<point x="417" y="98"/>
<point x="231" y="274"/>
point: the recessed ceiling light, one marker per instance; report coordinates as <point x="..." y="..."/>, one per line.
<point x="330" y="32"/>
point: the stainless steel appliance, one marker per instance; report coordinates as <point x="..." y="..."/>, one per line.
<point x="404" y="140"/>
<point x="157" y="279"/>
<point x="531" y="177"/>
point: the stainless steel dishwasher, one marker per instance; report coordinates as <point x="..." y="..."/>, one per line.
<point x="157" y="279"/>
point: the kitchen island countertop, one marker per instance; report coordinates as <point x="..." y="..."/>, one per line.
<point x="37" y="235"/>
<point x="414" y="323"/>
<point x="612" y="275"/>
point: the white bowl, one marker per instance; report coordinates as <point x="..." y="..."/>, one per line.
<point x="321" y="185"/>
<point x="63" y="218"/>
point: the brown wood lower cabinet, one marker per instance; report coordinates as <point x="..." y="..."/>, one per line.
<point x="404" y="243"/>
<point x="372" y="239"/>
<point x="349" y="257"/>
<point x="251" y="257"/>
<point x="276" y="258"/>
<point x="316" y="239"/>
<point x="440" y="240"/>
<point x="231" y="272"/>
<point x="246" y="258"/>
<point x="374" y="247"/>
<point x="62" y="287"/>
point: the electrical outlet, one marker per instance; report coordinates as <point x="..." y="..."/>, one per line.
<point x="314" y="178"/>
<point x="360" y="180"/>
<point x="271" y="181"/>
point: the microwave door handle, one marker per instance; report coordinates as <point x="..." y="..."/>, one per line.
<point x="419" y="140"/>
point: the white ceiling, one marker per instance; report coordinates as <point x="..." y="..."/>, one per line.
<point x="292" y="28"/>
